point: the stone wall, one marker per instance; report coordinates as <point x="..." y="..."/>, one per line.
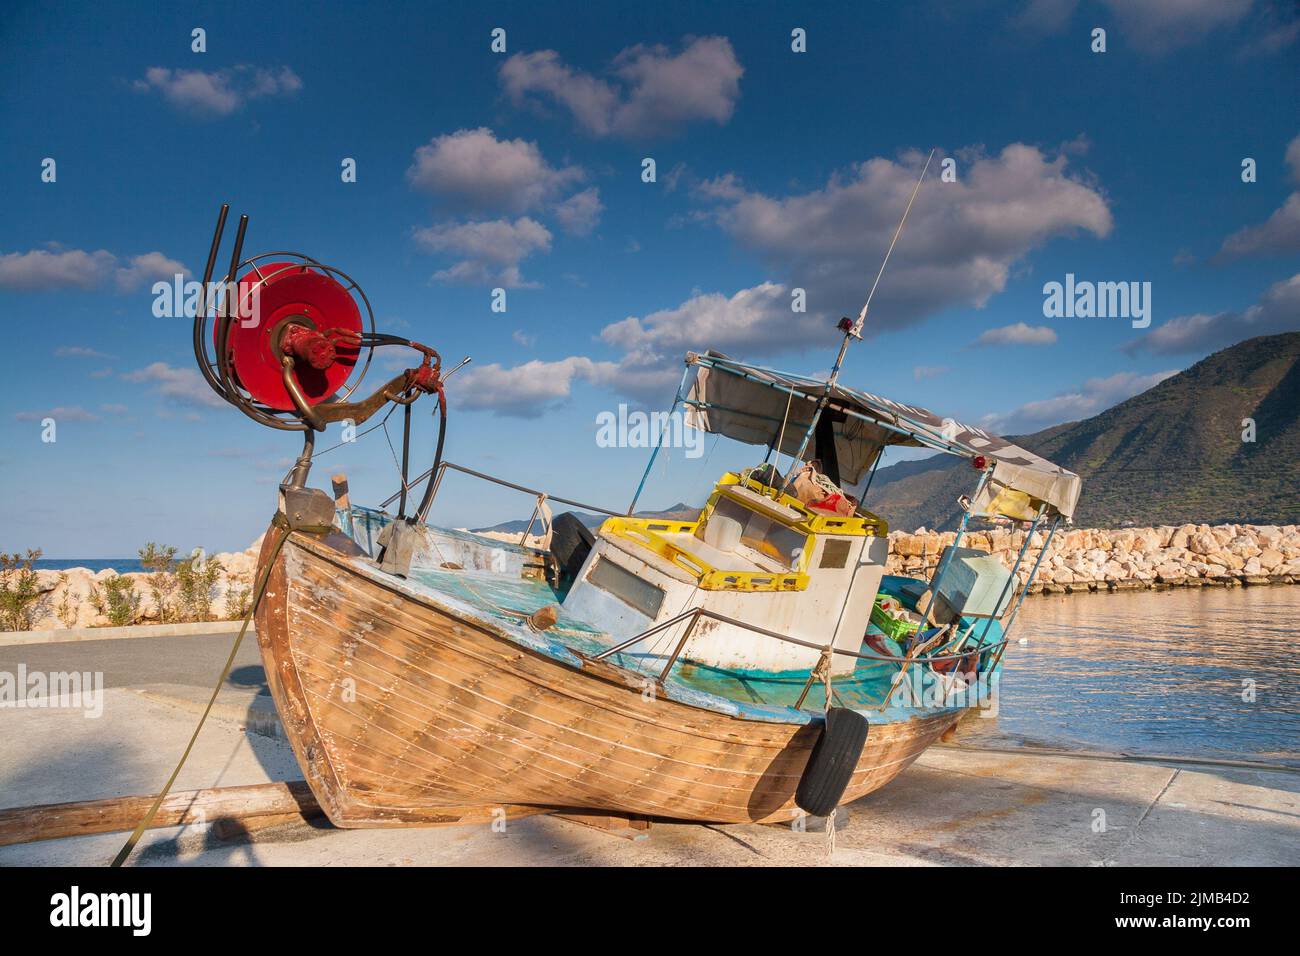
<point x="1128" y="558"/>
<point x="1078" y="560"/>
<point x="75" y="584"/>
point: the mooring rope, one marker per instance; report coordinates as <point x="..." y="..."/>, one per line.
<point x="143" y="825"/>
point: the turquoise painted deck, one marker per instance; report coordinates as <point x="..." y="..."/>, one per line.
<point x="757" y="695"/>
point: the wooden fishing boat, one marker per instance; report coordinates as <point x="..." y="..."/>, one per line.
<point x="749" y="664"/>
<point x="406" y="709"/>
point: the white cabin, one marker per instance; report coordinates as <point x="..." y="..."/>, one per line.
<point x="755" y="555"/>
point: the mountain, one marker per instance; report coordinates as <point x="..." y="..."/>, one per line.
<point x="1171" y="455"/>
<point x="678" y="512"/>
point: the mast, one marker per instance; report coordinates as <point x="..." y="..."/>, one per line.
<point x="853" y="330"/>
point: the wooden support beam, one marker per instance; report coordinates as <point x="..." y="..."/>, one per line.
<point x="54" y="821"/>
<point x="612" y="824"/>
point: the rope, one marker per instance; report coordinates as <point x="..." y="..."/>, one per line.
<point x="780" y="438"/>
<point x="355" y="438"/>
<point x="143" y="825"/>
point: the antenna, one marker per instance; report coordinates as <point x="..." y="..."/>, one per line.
<point x="862" y="316"/>
<point x="853" y="330"/>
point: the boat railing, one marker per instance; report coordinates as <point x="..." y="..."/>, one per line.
<point x="822" y="669"/>
<point x="537" y="493"/>
<point x="914" y="652"/>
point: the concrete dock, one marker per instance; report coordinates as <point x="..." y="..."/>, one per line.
<point x="956" y="806"/>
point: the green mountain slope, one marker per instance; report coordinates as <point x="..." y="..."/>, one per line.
<point x="1172" y="455"/>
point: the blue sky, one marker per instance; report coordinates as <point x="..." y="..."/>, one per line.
<point x="522" y="169"/>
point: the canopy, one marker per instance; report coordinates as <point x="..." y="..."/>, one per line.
<point x="755" y="405"/>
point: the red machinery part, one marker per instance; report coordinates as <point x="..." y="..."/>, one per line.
<point x="315" y="320"/>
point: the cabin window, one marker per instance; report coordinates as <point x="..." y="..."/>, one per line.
<point x="627" y="587"/>
<point x="835" y="553"/>
<point x="769" y="538"/>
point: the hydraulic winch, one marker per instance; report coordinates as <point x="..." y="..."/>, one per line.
<point x="287" y="340"/>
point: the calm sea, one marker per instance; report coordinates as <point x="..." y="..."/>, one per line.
<point x="120" y="565"/>
<point x="1206" y="672"/>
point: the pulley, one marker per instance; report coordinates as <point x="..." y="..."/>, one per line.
<point x="285" y="346"/>
<point x="299" y="313"/>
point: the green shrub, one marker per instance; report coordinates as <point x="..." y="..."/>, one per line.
<point x="196" y="579"/>
<point x="117" y="599"/>
<point x="160" y="562"/>
<point x="239" y="595"/>
<point x="21" y="599"/>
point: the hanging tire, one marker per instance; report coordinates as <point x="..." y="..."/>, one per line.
<point x="831" y="764"/>
<point x="571" y="542"/>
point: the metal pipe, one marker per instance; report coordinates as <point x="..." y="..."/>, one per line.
<point x="1012" y="577"/>
<point x="508" y="484"/>
<point x="654" y="452"/>
<point x="298" y="477"/>
<point x="714" y="616"/>
<point x="200" y="311"/>
<point x="947" y="557"/>
<point x="1028" y="581"/>
<point x="406" y="458"/>
<point x="663" y="675"/>
<point x="523" y="538"/>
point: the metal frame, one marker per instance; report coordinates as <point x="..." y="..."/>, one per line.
<point x="442" y="470"/>
<point x="694" y="614"/>
<point x="654" y="452"/>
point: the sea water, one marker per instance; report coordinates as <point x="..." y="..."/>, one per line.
<point x="1197" y="672"/>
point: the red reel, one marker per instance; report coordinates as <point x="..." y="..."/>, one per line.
<point x="293" y="308"/>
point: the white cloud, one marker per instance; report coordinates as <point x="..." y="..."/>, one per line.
<point x="753" y="321"/>
<point x="181" y="386"/>
<point x="80" y="351"/>
<point x="579" y="214"/>
<point x="218" y="92"/>
<point x="63" y="413"/>
<point x="757" y="320"/>
<point x="145" y="269"/>
<point x="472" y="169"/>
<point x="1093" y="396"/>
<point x="527" y="390"/>
<point x="490" y="250"/>
<point x="961" y="240"/>
<point x="1045" y="16"/>
<point x="1017" y="334"/>
<point x="1278" y="310"/>
<point x="1159" y="26"/>
<point x="1280" y="233"/>
<point x="651" y="91"/>
<point x="42" y="270"/>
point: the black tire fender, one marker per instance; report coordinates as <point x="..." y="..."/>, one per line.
<point x="832" y="762"/>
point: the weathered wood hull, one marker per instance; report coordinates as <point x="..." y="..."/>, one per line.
<point x="405" y="713"/>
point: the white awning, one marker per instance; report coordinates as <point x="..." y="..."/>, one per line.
<point x="750" y="403"/>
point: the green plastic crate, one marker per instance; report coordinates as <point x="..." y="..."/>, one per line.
<point x="891" y="626"/>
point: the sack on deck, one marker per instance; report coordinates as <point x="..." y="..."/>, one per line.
<point x="817" y="491"/>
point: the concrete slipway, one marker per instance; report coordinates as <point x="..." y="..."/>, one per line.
<point x="955" y="806"/>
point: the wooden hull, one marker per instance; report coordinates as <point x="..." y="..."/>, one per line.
<point x="403" y="712"/>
